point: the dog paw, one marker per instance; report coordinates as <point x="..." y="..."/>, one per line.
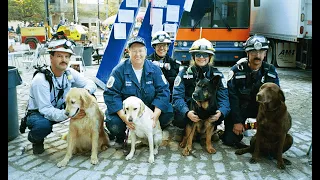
<point x="186" y="151"/>
<point x="239" y="152"/>
<point x="281" y="166"/>
<point x="94" y="161"/>
<point x="62" y="163"/>
<point x="253" y="161"/>
<point x="129" y="156"/>
<point x="151" y="159"/>
<point x="182" y="144"/>
<point x="211" y="150"/>
<point x="104" y="147"/>
<point x="155" y="151"/>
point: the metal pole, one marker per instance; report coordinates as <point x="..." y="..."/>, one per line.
<point x="75" y="11"/>
<point x="46" y="4"/>
<point x="99" y="36"/>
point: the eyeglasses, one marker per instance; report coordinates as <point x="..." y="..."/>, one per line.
<point x="162" y="45"/>
<point x="256" y="52"/>
<point x="204" y="55"/>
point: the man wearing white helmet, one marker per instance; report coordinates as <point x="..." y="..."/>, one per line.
<point x="202" y="53"/>
<point x="47" y="93"/>
<point x="160" y="42"/>
<point x="244" y="81"/>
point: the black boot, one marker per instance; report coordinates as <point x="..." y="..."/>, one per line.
<point x="38" y="148"/>
<point x="37" y="145"/>
<point x="240" y="145"/>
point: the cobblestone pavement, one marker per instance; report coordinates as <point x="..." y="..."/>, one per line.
<point x="169" y="163"/>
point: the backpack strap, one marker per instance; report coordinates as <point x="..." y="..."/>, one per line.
<point x="47" y="74"/>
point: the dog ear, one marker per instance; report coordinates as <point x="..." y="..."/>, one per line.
<point x="85" y="98"/>
<point x="281" y="95"/>
<point x="124" y="106"/>
<point x="142" y="107"/>
<point x="216" y="79"/>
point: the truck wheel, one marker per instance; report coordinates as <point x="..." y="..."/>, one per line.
<point x="271" y="54"/>
<point x="32" y="43"/>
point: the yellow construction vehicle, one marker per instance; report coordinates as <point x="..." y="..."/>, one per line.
<point x="74" y="32"/>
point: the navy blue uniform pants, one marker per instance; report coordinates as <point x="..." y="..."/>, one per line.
<point x="229" y="137"/>
<point x="39" y="126"/>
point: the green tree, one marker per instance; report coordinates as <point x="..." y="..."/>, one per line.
<point x="26" y="10"/>
<point x="34" y="10"/>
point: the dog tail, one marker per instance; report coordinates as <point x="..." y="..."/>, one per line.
<point x="64" y="136"/>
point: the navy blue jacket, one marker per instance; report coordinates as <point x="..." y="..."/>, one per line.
<point x="153" y="89"/>
<point x="169" y="74"/>
<point x="184" y="86"/>
<point x="243" y="86"/>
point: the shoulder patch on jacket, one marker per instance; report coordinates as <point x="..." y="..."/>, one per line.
<point x="110" y="82"/>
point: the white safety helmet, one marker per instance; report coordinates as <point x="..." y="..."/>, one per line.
<point x="256" y="42"/>
<point x="202" y="45"/>
<point x="62" y="45"/>
<point x="160" y="37"/>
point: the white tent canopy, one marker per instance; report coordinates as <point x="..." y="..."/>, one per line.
<point x="109" y="20"/>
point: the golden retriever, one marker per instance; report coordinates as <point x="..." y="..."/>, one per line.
<point x="273" y="123"/>
<point x="86" y="131"/>
<point x="141" y="115"/>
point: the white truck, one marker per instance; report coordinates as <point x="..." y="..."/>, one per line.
<point x="287" y="24"/>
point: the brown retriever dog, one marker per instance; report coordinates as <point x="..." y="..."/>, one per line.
<point x="273" y="123"/>
<point x="86" y="131"/>
<point x="204" y="105"/>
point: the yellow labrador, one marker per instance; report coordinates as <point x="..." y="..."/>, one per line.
<point x="140" y="114"/>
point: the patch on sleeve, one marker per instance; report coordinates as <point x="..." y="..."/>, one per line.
<point x="164" y="79"/>
<point x="230" y="75"/>
<point x="110" y="82"/>
<point x="224" y="82"/>
<point x="177" y="81"/>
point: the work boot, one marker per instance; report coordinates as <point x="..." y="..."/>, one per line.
<point x="240" y="145"/>
<point x="215" y="137"/>
<point x="38" y="148"/>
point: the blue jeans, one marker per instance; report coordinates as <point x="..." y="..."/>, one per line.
<point x="117" y="127"/>
<point x="39" y="126"/>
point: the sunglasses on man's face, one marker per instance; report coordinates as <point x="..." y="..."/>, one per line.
<point x="199" y="55"/>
